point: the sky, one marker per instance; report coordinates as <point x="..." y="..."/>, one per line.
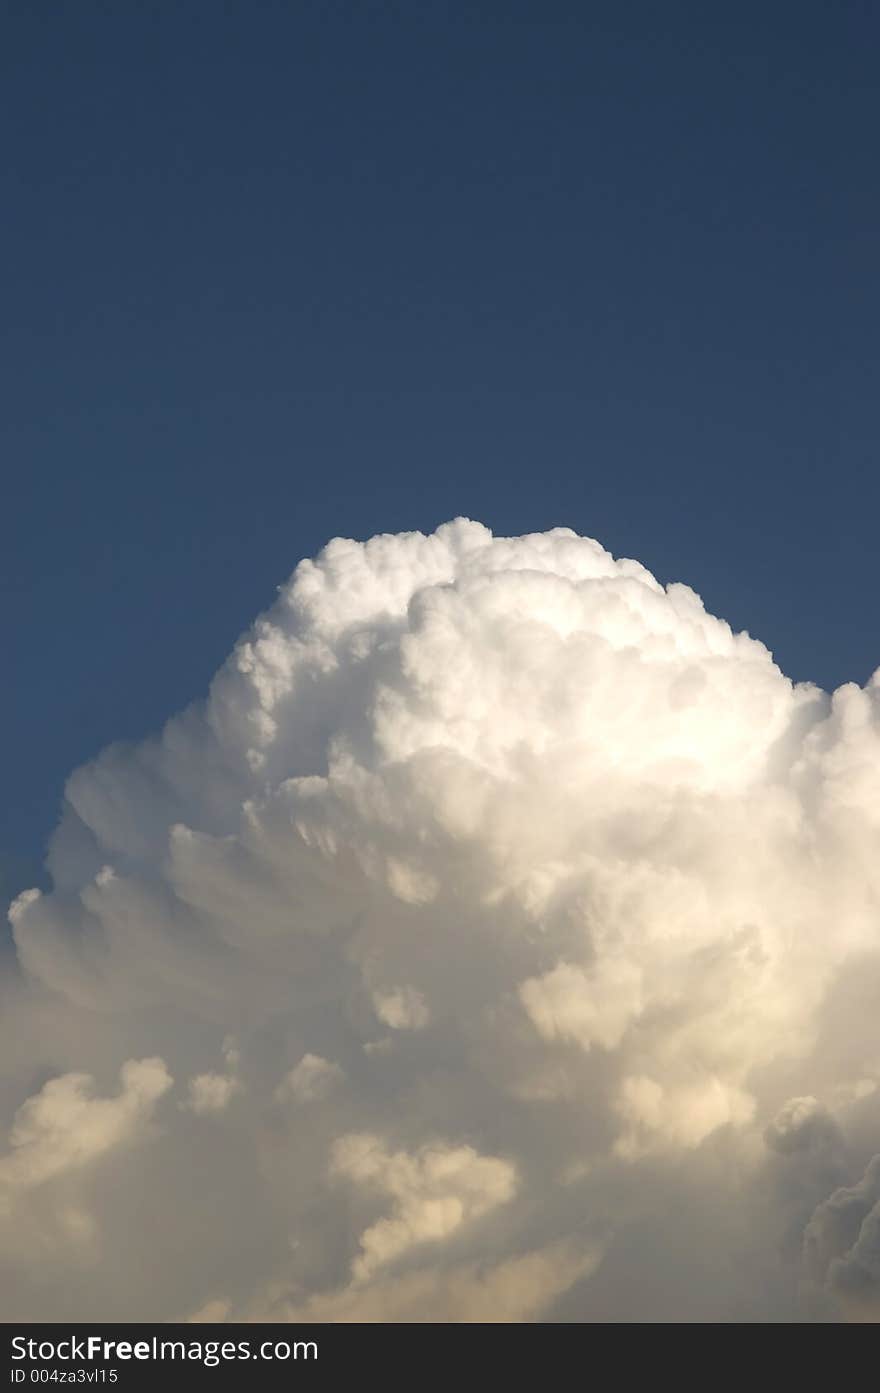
<point x="505" y="903"/>
<point x="281" y="272"/>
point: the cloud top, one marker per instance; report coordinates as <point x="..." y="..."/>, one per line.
<point x="537" y="883"/>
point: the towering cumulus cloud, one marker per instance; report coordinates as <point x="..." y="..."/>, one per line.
<point x="508" y="927"/>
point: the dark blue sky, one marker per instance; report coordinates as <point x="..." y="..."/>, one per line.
<point x="279" y="271"/>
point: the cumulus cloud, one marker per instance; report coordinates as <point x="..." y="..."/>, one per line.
<point x="433" y="1193"/>
<point x="402" y="1009"/>
<point x="842" y="1248"/>
<point x="312" y="1079"/>
<point x="518" y="1289"/>
<point x="64" y="1126"/>
<point x="212" y="1092"/>
<point x="552" y="897"/>
<point x="59" y="1138"/>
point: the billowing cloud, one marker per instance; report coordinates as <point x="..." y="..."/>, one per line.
<point x="517" y="1289"/>
<point x="213" y="1092"/>
<point x="433" y="1192"/>
<point x="550" y="896"/>
<point x="59" y="1138"/>
<point x="312" y="1078"/>
<point x="842" y="1248"/>
<point x="402" y="1009"/>
<point x="64" y="1127"/>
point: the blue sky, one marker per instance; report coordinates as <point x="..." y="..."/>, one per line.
<point x="276" y="272"/>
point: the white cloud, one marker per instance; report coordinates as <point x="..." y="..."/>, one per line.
<point x="606" y="878"/>
<point x="64" y="1126"/>
<point x="684" y="1116"/>
<point x="593" y="1008"/>
<point x="57" y="1139"/>
<point x="516" y="1289"/>
<point x="434" y="1192"/>
<point x="312" y="1079"/>
<point x="402" y="1008"/>
<point x="210" y="1093"/>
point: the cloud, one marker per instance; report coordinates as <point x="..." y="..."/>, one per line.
<point x="59" y="1138"/>
<point x="434" y="1193"/>
<point x="593" y="1008"/>
<point x="842" y="1247"/>
<point x="554" y="894"/>
<point x="519" y="1289"/>
<point x="211" y="1092"/>
<point x="63" y="1127"/>
<point x="402" y="1009"/>
<point x="312" y="1079"/>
